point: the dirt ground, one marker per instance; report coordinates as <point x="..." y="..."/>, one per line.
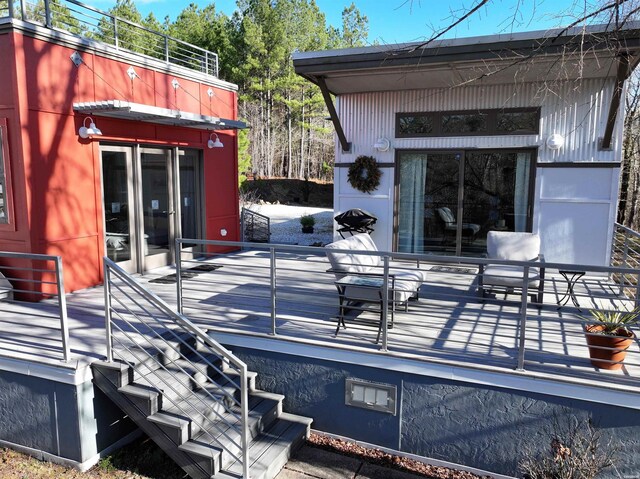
<point x="290" y="192"/>
<point x="141" y="459"/>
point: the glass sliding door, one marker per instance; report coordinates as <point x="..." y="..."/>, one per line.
<point x="428" y="197"/>
<point x="119" y="207"/>
<point x="190" y="194"/>
<point x="157" y="207"/>
<point x="150" y="196"/>
<point x="496" y="194"/>
<point x="447" y="202"/>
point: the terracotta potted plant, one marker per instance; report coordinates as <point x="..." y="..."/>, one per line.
<point x="609" y="336"/>
<point x="307" y="222"/>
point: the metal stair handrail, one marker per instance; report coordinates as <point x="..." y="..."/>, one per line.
<point x="251" y="221"/>
<point x="141" y="355"/>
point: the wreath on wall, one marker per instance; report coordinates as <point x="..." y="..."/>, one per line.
<point x="364" y="174"/>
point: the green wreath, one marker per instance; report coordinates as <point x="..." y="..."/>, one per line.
<point x="364" y="174"/>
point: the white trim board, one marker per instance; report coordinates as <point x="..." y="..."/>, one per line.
<point x="73" y="373"/>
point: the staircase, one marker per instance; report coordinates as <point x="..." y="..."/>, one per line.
<point x="189" y="394"/>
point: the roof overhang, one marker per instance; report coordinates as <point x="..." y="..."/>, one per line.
<point x="599" y="51"/>
<point x="563" y="54"/>
<point x="125" y="110"/>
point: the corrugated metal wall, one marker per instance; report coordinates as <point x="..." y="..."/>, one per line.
<point x="576" y="110"/>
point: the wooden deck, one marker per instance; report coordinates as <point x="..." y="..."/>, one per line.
<point x="449" y="323"/>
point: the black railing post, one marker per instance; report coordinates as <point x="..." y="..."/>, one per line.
<point x="47" y="13"/>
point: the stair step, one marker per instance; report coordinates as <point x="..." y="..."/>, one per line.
<point x="270" y="452"/>
<point x="161" y="350"/>
<point x="185" y="420"/>
<point x="204" y="455"/>
<point x="262" y="415"/>
<point x="176" y="385"/>
<point x="118" y="373"/>
<point x="145" y="398"/>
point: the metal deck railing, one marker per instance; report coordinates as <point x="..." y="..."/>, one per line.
<point x="36" y="277"/>
<point x="85" y="21"/>
<point x="625" y="253"/>
<point x="146" y="334"/>
<point x="289" y="292"/>
<point x="255" y="227"/>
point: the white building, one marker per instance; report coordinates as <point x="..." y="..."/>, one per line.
<point x="519" y="132"/>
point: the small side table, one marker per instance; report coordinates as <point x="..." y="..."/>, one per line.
<point x="571" y="277"/>
<point x="366" y="282"/>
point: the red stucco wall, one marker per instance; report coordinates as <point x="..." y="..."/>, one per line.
<point x="56" y="185"/>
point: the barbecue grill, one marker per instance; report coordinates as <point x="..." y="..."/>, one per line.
<point x="355" y="221"/>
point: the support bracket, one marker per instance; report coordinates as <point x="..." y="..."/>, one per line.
<point x="346" y="146"/>
<point x="621" y="75"/>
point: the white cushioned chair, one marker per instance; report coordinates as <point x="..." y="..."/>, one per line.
<point x="404" y="283"/>
<point x="469" y="230"/>
<point x="511" y="246"/>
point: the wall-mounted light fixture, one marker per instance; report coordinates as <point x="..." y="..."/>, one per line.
<point x="91" y="130"/>
<point x="555" y="141"/>
<point x="382" y="144"/>
<point x="214" y="144"/>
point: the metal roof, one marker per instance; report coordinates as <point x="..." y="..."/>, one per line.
<point x="589" y="52"/>
<point x="126" y="110"/>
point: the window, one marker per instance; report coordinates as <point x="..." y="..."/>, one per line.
<point x="464" y="123"/>
<point x="414" y="125"/>
<point x="515" y="121"/>
<point x="4" y="166"/>
<point x="518" y="122"/>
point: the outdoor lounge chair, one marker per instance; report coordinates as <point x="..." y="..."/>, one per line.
<point x="506" y="245"/>
<point x="469" y="230"/>
<point x="404" y="283"/>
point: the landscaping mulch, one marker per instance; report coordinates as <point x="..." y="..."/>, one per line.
<point x="376" y="456"/>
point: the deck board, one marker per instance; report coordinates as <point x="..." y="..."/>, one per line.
<point x="449" y="321"/>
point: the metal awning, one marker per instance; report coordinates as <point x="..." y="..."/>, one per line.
<point x="126" y="110"/>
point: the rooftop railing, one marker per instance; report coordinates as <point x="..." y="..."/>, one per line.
<point x="89" y="22"/>
<point x="289" y="292"/>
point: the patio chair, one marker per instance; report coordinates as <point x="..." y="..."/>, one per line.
<point x="511" y="246"/>
<point x="404" y="283"/>
<point x="469" y="230"/>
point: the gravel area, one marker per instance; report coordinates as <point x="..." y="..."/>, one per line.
<point x="285" y="224"/>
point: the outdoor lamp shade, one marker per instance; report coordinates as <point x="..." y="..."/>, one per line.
<point x="91" y="130"/>
<point x="214" y="143"/>
<point x="382" y="144"/>
<point x="555" y="141"/>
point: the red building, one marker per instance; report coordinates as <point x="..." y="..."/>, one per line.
<point x="106" y="152"/>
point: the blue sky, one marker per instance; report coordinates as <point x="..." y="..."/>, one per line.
<point x="392" y="21"/>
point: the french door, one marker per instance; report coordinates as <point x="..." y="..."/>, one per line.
<point x="150" y="197"/>
<point x="448" y="201"/>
